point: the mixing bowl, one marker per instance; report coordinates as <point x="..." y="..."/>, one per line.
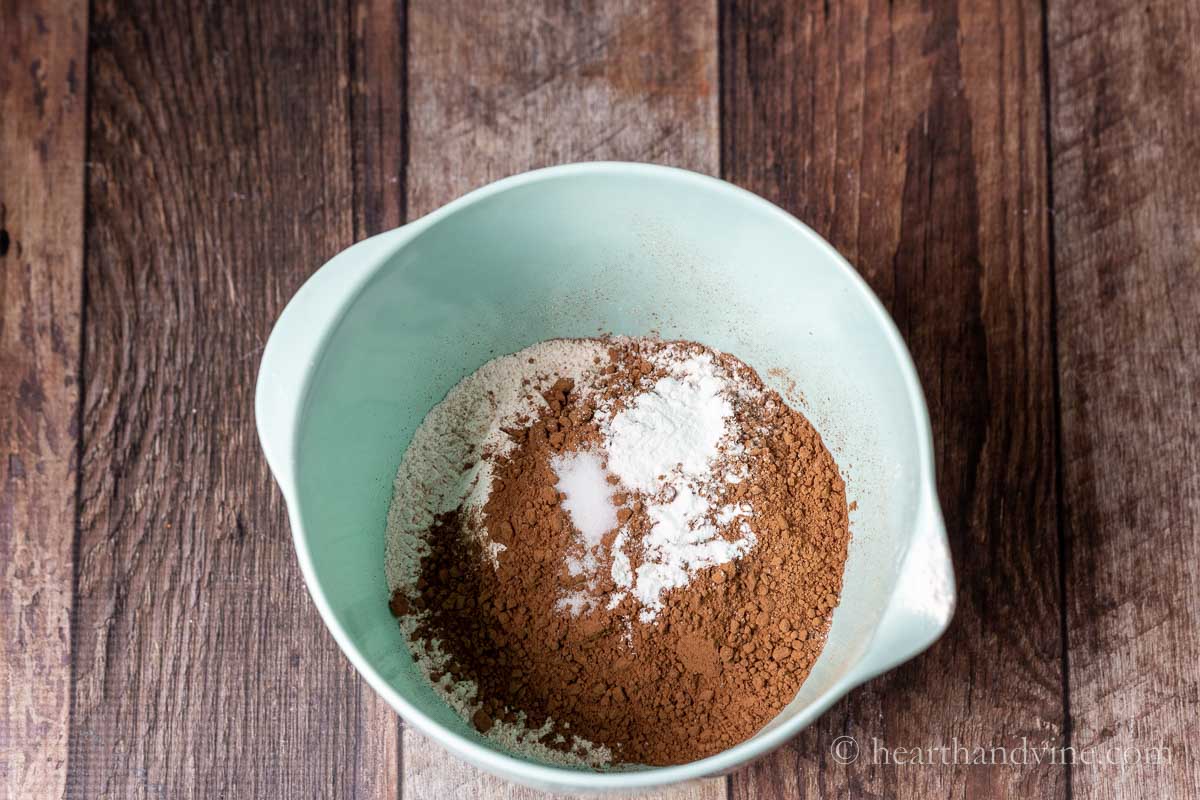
<point x="380" y="333"/>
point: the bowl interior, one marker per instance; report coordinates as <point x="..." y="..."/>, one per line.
<point x="578" y="255"/>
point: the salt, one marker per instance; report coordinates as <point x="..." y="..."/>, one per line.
<point x="588" y="495"/>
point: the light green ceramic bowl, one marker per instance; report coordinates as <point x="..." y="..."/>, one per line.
<point x="379" y="334"/>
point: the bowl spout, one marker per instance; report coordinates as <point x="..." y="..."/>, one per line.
<point x="922" y="602"/>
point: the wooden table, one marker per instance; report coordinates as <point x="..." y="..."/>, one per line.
<point x="1019" y="183"/>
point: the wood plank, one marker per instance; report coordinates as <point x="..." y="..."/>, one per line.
<point x="430" y="773"/>
<point x="378" y="123"/>
<point x="221" y="177"/>
<point x="43" y="63"/>
<point x="913" y="139"/>
<point x="1127" y="199"/>
<point x="502" y="87"/>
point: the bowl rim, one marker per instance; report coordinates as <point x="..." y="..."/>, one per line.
<point x="494" y="761"/>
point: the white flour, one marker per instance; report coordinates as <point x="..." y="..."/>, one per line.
<point x="674" y="427"/>
<point x="665" y="444"/>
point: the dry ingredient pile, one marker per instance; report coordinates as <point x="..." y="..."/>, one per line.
<point x="618" y="551"/>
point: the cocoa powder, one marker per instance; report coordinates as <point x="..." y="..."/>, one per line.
<point x="727" y="652"/>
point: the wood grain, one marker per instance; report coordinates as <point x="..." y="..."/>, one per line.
<point x="498" y="88"/>
<point x="1126" y="150"/>
<point x="379" y="121"/>
<point x="913" y="139"/>
<point x="430" y="773"/>
<point x="172" y="651"/>
<point x="221" y="175"/>
<point x="43" y="67"/>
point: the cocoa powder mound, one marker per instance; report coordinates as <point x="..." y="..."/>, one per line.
<point x="727" y="651"/>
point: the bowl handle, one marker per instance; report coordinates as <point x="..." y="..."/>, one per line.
<point x="921" y="604"/>
<point x="297" y="341"/>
